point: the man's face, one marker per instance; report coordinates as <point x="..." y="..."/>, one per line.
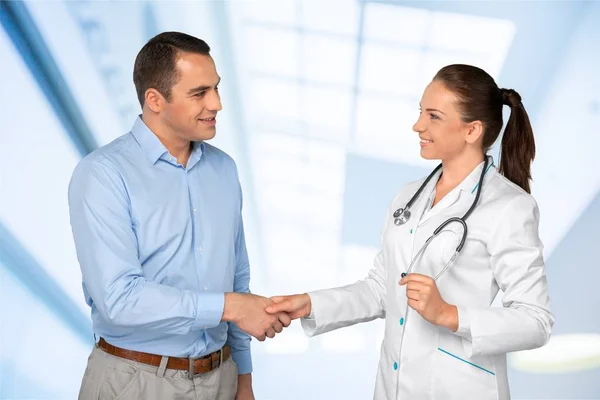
<point x="195" y="101"/>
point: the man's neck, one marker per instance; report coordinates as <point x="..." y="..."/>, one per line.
<point x="178" y="148"/>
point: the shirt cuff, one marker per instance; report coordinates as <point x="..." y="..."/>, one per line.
<point x="209" y="310"/>
<point x="464" y="324"/>
<point x="464" y="330"/>
<point x="243" y="360"/>
<point x="309" y="323"/>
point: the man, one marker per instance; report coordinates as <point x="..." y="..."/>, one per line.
<point x="156" y="219"/>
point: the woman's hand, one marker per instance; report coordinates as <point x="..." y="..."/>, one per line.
<point x="295" y="306"/>
<point x="424" y="297"/>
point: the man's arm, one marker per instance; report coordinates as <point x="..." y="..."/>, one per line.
<point x="107" y="252"/>
<point x="236" y="338"/>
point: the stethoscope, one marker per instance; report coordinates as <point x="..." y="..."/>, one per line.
<point x="402" y="215"/>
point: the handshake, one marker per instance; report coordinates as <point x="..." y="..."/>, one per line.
<point x="262" y="317"/>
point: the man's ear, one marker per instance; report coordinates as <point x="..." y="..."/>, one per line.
<point x="154" y="100"/>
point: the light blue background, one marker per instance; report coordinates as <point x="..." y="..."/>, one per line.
<point x="319" y="100"/>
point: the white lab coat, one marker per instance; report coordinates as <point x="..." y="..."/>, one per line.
<point x="502" y="252"/>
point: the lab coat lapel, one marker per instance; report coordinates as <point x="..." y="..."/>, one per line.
<point x="422" y="205"/>
<point x="448" y="200"/>
<point x="466" y="189"/>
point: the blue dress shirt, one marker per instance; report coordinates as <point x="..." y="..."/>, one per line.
<point x="159" y="244"/>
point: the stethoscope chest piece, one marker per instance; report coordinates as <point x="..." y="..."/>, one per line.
<point x="401" y="216"/>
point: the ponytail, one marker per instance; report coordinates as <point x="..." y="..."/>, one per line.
<point x="518" y="145"/>
<point x="480" y="99"/>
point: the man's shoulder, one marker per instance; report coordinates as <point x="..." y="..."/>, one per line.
<point x="217" y="155"/>
<point x="109" y="156"/>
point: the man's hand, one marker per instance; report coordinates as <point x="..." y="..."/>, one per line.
<point x="244" y="390"/>
<point x="247" y="311"/>
<point x="295" y="306"/>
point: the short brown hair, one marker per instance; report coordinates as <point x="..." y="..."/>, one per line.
<point x="155" y="63"/>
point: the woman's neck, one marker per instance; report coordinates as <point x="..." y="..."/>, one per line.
<point x="455" y="170"/>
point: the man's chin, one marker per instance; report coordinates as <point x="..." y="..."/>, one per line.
<point x="205" y="135"/>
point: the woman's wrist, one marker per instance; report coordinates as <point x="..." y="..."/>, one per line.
<point x="449" y="317"/>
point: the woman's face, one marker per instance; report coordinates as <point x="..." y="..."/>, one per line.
<point x="440" y="126"/>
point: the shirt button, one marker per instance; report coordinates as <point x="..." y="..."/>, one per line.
<point x="401" y="321"/>
<point x="194" y="210"/>
<point x="200" y="249"/>
<point x="205" y="288"/>
<point x="395" y="366"/>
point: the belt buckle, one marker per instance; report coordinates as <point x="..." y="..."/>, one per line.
<point x="191" y="373"/>
<point x="217" y="363"/>
<point x="214" y="364"/>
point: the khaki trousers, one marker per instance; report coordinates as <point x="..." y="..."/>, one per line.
<point x="108" y="377"/>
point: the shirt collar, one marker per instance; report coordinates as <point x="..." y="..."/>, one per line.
<point x="471" y="182"/>
<point x="148" y="141"/>
<point x="153" y="147"/>
<point x="197" y="151"/>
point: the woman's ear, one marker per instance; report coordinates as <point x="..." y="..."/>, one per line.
<point x="474" y="132"/>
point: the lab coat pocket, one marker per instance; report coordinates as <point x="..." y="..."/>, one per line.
<point x="458" y="376"/>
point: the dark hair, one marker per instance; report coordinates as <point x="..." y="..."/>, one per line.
<point x="480" y="99"/>
<point x="155" y="63"/>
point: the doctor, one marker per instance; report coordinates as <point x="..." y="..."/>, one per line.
<point x="443" y="339"/>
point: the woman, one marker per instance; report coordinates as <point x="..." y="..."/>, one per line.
<point x="443" y="340"/>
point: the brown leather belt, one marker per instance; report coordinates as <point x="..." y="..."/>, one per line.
<point x="194" y="366"/>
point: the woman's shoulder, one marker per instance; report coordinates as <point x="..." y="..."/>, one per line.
<point x="508" y="194"/>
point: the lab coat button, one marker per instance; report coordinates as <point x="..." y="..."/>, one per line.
<point x="401" y="321"/>
<point x="395" y="366"/>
